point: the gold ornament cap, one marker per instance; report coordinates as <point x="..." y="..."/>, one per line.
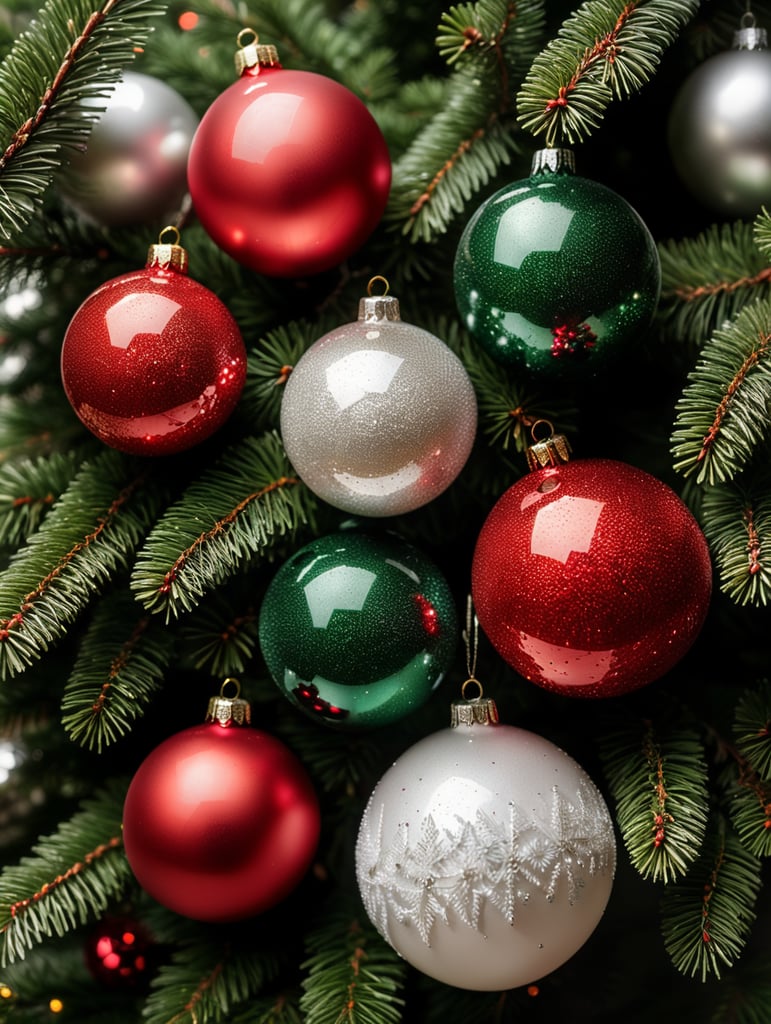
<point x="377" y="308"/>
<point x="229" y="710"/>
<point x="167" y="255"/>
<point x="252" y="54"/>
<point x="477" y="710"/>
<point x="553" y="450"/>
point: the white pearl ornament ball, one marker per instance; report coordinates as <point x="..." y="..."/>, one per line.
<point x="379" y="416"/>
<point x="486" y="854"/>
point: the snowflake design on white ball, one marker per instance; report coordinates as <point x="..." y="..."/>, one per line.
<point x="419" y="879"/>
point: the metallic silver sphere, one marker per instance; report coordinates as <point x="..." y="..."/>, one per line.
<point x="133" y="168"/>
<point x="719" y="131"/>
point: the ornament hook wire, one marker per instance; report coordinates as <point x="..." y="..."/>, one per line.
<point x="471" y="641"/>
<point x="230" y="681"/>
<point x="175" y="232"/>
<point x="247" y="37"/>
<point x="372" y="281"/>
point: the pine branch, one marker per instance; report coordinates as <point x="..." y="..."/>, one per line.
<point x="471" y="137"/>
<point x="119" y="667"/>
<point x="71" y="876"/>
<point x="761" y="230"/>
<point x="28" y="489"/>
<point x="222" y="637"/>
<point x="706" y="280"/>
<point x="227" y="521"/>
<point x="90" y="533"/>
<point x="70" y="52"/>
<point x="752" y="728"/>
<point x="269" y="364"/>
<point x="209" y="977"/>
<point x="706" y="917"/>
<point x="507" y="412"/>
<point x="605" y="51"/>
<point x="736" y="519"/>
<point x="723" y="414"/>
<point x="354" y="976"/>
<point x="658" y="781"/>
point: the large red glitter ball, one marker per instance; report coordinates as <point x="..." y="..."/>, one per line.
<point x="288" y="172"/>
<point x="153" y="362"/>
<point x="591" y="578"/>
<point x="220" y="822"/>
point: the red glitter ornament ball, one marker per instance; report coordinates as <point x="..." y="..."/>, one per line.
<point x="288" y="170"/>
<point x="591" y="578"/>
<point x="152" y="361"/>
<point x="221" y="821"/>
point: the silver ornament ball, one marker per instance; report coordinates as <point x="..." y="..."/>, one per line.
<point x="719" y="128"/>
<point x="133" y="166"/>
<point x="379" y="416"/>
<point x="486" y="855"/>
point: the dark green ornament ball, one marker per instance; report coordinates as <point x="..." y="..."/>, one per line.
<point x="556" y="274"/>
<point x="358" y="628"/>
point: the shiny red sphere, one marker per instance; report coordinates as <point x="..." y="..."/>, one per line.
<point x="220" y="822"/>
<point x="592" y="578"/>
<point x="288" y="172"/>
<point x="153" y="362"/>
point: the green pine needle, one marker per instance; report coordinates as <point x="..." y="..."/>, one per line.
<point x="723" y="414"/>
<point x="707" y="916"/>
<point x="571" y="84"/>
<point x="91" y="532"/>
<point x="70" y="877"/>
<point x="752" y="728"/>
<point x="119" y="667"/>
<point x="227" y="521"/>
<point x="736" y="521"/>
<point x="658" y="781"/>
<point x="354" y="976"/>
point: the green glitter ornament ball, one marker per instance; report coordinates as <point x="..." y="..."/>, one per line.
<point x="357" y="629"/>
<point x="556" y="274"/>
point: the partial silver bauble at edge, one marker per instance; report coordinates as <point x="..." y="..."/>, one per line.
<point x="133" y="167"/>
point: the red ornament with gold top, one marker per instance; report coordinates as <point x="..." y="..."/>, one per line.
<point x="221" y="821"/>
<point x="288" y="171"/>
<point x="152" y="361"/>
<point x="591" y="578"/>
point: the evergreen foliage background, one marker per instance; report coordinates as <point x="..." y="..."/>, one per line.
<point x="462" y="111"/>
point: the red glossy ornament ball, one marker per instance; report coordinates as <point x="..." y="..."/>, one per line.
<point x="152" y="361"/>
<point x="591" y="578"/>
<point x="220" y="822"/>
<point x="288" y="171"/>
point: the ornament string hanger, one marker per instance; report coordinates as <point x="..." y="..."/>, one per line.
<point x="476" y="709"/>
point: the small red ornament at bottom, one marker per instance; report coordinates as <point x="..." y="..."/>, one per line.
<point x="221" y="821"/>
<point x="120" y="953"/>
<point x="590" y="578"/>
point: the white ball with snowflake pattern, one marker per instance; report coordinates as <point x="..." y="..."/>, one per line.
<point x="486" y="854"/>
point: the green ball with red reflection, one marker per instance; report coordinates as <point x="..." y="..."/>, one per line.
<point x="357" y="629"/>
<point x="557" y="275"/>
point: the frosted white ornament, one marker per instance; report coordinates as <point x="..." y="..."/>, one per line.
<point x="379" y="416"/>
<point x="486" y="854"/>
